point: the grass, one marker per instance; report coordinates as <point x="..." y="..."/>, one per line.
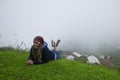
<point x="13" y="67"/>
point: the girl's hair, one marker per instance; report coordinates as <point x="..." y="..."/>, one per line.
<point x="40" y="39"/>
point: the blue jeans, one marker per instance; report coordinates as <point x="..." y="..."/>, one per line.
<point x="57" y="54"/>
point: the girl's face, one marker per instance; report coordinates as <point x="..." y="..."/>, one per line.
<point x="36" y="44"/>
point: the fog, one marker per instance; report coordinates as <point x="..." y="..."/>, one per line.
<point x="80" y="24"/>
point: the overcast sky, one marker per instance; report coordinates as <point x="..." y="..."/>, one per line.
<point x="78" y="23"/>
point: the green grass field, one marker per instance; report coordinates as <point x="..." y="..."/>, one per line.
<point x="13" y="67"/>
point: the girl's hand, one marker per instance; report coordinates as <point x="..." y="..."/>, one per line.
<point x="29" y="62"/>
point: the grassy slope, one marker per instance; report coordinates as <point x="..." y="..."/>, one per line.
<point x="13" y="67"/>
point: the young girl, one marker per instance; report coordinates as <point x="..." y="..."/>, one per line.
<point x="40" y="53"/>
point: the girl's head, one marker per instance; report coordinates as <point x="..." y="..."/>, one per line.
<point x="38" y="42"/>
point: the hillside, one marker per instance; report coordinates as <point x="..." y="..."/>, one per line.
<point x="113" y="52"/>
<point x="13" y="67"/>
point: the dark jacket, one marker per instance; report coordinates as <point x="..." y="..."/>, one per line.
<point x="47" y="55"/>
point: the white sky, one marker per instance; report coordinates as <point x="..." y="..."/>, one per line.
<point x="82" y="23"/>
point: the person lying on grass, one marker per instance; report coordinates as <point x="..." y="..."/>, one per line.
<point x="40" y="53"/>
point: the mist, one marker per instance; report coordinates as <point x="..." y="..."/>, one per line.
<point x="82" y="25"/>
